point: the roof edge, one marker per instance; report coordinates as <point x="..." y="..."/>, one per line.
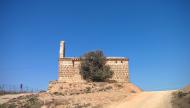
<point x="108" y="58"/>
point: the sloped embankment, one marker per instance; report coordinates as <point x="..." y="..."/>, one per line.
<point x="88" y="94"/>
<point x="75" y="95"/>
<point x="181" y="98"/>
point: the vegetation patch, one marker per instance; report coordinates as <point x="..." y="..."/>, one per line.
<point x="88" y="90"/>
<point x="94" y="68"/>
<point x="180" y="99"/>
<point x="30" y="101"/>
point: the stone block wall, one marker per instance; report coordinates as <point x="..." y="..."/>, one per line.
<point x="69" y="69"/>
<point x="120" y="69"/>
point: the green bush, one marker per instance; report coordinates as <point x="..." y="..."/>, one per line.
<point x="94" y="68"/>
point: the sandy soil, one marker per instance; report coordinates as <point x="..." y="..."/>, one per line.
<point x="122" y="98"/>
<point x="150" y="99"/>
<point x="154" y="99"/>
<point x="6" y="98"/>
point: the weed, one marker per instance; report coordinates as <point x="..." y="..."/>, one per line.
<point x="88" y="90"/>
<point x="133" y="91"/>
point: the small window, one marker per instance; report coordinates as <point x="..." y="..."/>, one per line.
<point x="121" y="61"/>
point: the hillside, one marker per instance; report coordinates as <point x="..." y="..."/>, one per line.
<point x="181" y="98"/>
<point x="99" y="95"/>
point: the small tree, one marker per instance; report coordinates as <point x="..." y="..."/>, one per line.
<point x="94" y="68"/>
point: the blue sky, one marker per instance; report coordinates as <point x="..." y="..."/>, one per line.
<point x="153" y="34"/>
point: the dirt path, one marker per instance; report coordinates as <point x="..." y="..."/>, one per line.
<point x="156" y="99"/>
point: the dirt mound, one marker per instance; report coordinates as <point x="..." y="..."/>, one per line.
<point x="23" y="101"/>
<point x="130" y="87"/>
<point x="86" y="95"/>
<point x="7" y="97"/>
<point x="186" y="88"/>
<point x="180" y="98"/>
<point x="93" y="87"/>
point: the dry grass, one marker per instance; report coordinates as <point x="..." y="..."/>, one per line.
<point x="95" y="96"/>
<point x="181" y="98"/>
<point x="27" y="101"/>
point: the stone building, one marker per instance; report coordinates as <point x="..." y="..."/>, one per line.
<point x="69" y="67"/>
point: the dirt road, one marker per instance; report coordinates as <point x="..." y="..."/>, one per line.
<point x="156" y="99"/>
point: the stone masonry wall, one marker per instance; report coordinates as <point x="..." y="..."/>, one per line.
<point x="69" y="69"/>
<point x="120" y="69"/>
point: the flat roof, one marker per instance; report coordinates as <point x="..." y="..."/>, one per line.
<point x="108" y="58"/>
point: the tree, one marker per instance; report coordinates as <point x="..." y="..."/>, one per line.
<point x="94" y="68"/>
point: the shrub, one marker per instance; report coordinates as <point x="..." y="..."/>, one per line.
<point x="30" y="101"/>
<point x="57" y="93"/>
<point x="94" y="68"/>
<point x="7" y="106"/>
<point x="88" y="90"/>
<point x="133" y="91"/>
<point x="180" y="99"/>
<point x="179" y="94"/>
